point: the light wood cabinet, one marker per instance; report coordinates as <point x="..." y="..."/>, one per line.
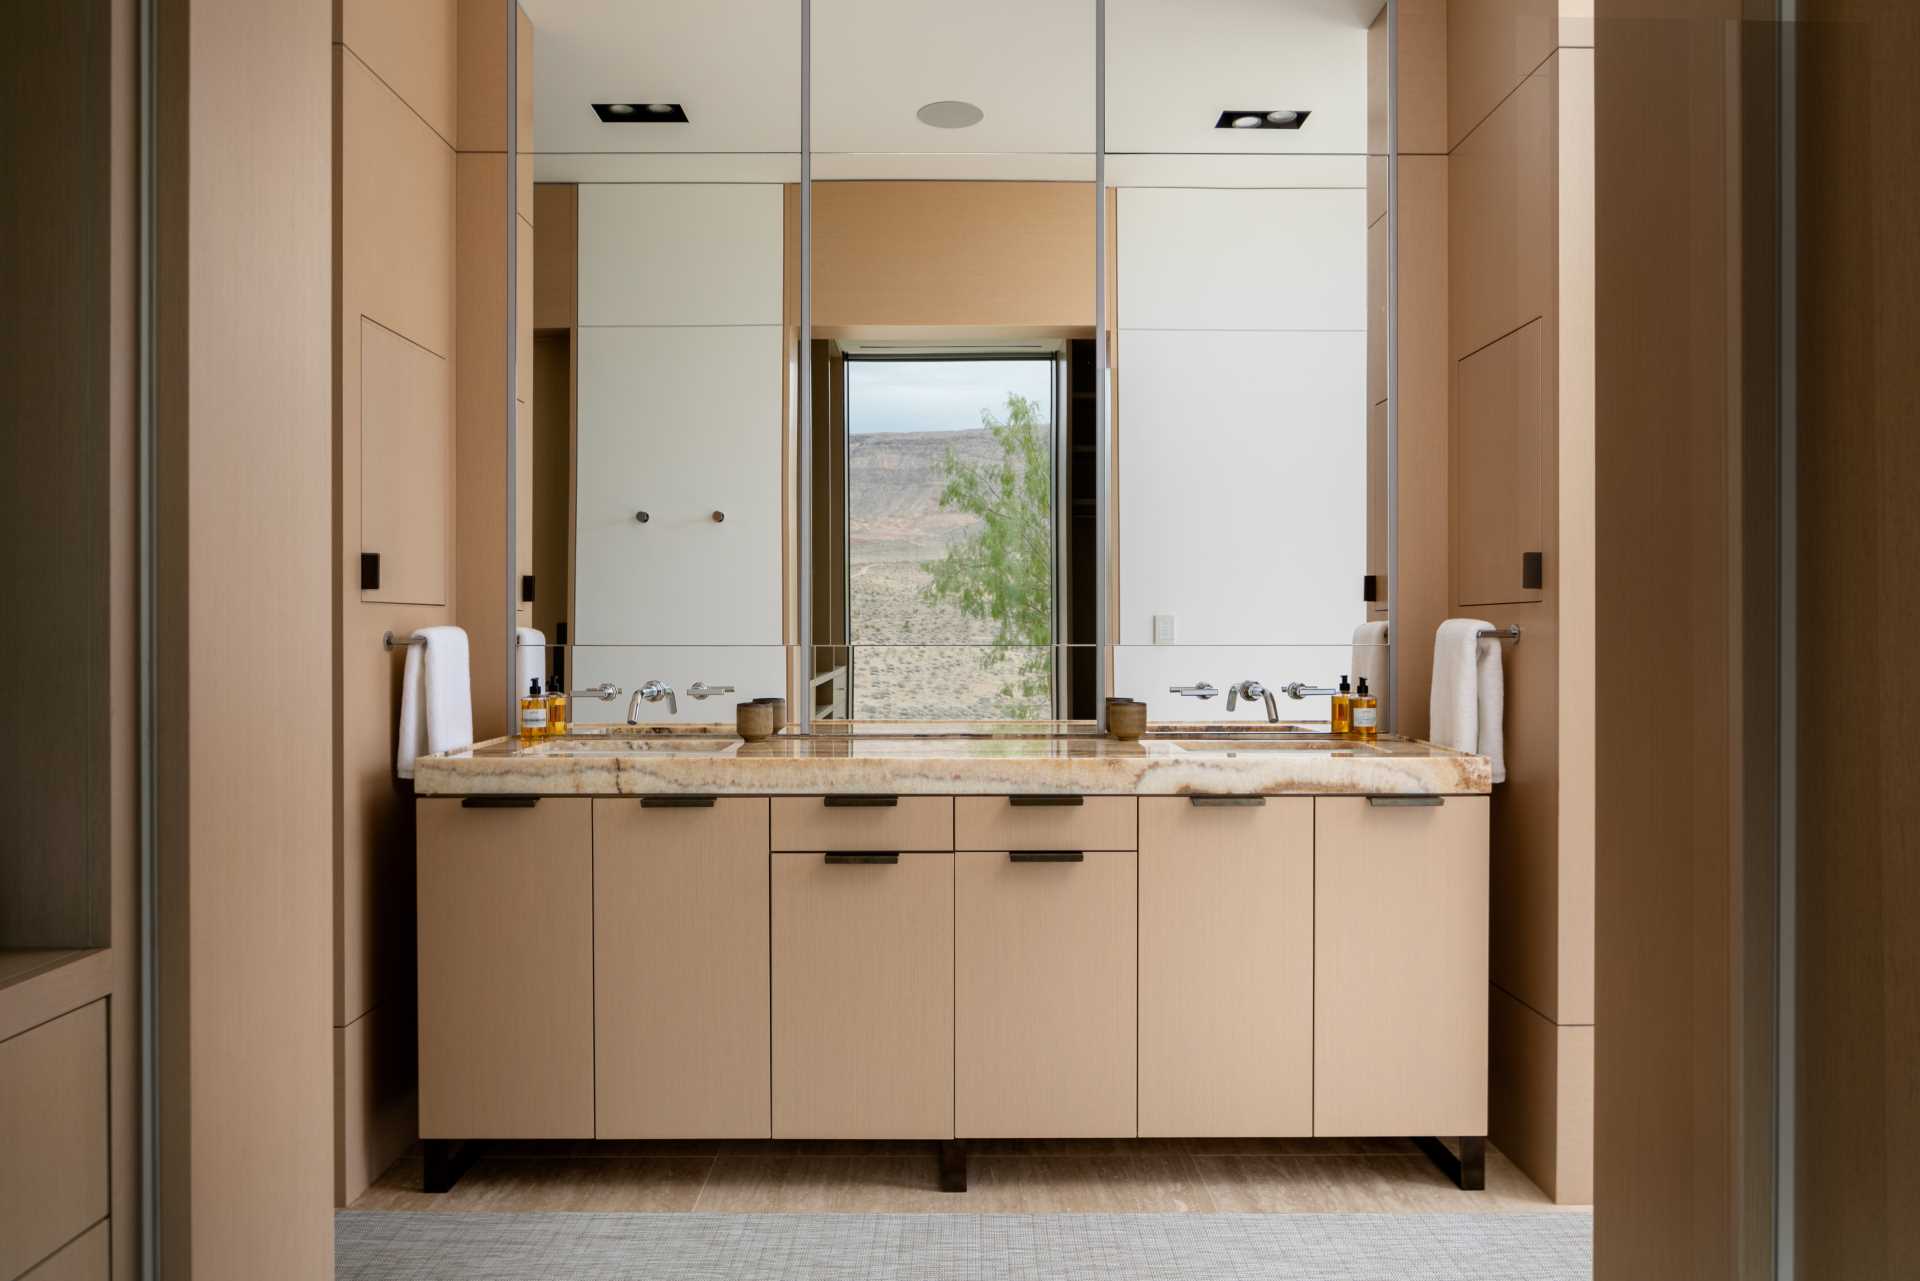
<point x="1002" y="823"/>
<point x="863" y="996"/>
<point x="884" y="824"/>
<point x="53" y="1135"/>
<point x="506" y="969"/>
<point x="680" y="983"/>
<point x="1226" y="968"/>
<point x="1044" y="994"/>
<point x="1400" y="966"/>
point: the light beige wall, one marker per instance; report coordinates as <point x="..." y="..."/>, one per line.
<point x="394" y="170"/>
<point x="995" y="254"/>
<point x="244" y="576"/>
<point x="1519" y="227"/>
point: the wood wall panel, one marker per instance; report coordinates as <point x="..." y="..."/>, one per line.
<point x="55" y="500"/>
<point x="1502" y="220"/>
<point x="556" y="208"/>
<point x="376" y="1097"/>
<point x="1859" y="831"/>
<point x="243" y="535"/>
<point x="997" y="254"/>
<point x="53" y="1129"/>
<point x="412" y="48"/>
<point x="1493" y="45"/>
<point x="87" y="1258"/>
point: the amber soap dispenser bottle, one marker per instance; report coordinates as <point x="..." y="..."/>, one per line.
<point x="1343" y="708"/>
<point x="533" y="712"/>
<point x="1366" y="712"/>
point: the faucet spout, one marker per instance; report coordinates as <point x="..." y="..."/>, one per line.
<point x="1251" y="690"/>
<point x="653" y="692"/>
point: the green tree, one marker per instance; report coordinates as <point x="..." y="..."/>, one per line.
<point x="1003" y="571"/>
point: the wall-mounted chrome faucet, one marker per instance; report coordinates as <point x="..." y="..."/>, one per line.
<point x="605" y="691"/>
<point x="1252" y="690"/>
<point x="653" y="692"/>
<point x="702" y="690"/>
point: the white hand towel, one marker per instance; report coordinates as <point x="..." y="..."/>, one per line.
<point x="436" y="697"/>
<point x="1469" y="700"/>
<point x="529" y="658"/>
<point x="1370" y="655"/>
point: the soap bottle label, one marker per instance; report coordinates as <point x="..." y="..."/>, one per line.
<point x="1366" y="717"/>
<point x="533" y="716"/>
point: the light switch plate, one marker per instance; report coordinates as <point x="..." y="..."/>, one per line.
<point x="1163" y="629"/>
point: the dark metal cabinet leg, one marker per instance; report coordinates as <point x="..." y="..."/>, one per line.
<point x="1469" y="1169"/>
<point x="446" y="1160"/>
<point x="953" y="1166"/>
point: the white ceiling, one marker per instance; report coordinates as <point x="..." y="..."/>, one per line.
<point x="1172" y="67"/>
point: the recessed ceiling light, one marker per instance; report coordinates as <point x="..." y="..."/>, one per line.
<point x="950" y="114"/>
<point x="628" y="113"/>
<point x="1263" y="118"/>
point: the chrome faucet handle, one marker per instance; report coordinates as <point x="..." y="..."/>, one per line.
<point x="1300" y="689"/>
<point x="1201" y="691"/>
<point x="653" y="692"/>
<point x="702" y="690"/>
<point x="605" y="691"/>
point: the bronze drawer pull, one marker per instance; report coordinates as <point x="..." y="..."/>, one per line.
<point x="867" y="860"/>
<point x="1226" y="801"/>
<point x="1045" y="801"/>
<point x="676" y="802"/>
<point x="861" y="802"/>
<point x="498" y="802"/>
<point x="1405" y="802"/>
<point x="1047" y="856"/>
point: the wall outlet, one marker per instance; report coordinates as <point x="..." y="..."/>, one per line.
<point x="1163" y="629"/>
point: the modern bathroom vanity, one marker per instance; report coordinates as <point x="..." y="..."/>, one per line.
<point x="953" y="938"/>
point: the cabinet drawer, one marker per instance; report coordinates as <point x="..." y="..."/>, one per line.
<point x="680" y="987"/>
<point x="1400" y="967"/>
<point x="53" y="1135"/>
<point x="1226" y="968"/>
<point x="1044" y="1013"/>
<point x="863" y="997"/>
<point x="1045" y="823"/>
<point x="890" y="823"/>
<point x="84" y="1259"/>
<point x="506" y="970"/>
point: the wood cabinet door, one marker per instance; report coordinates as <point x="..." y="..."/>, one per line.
<point x="1502" y="422"/>
<point x="863" y="997"/>
<point x="1044" y="995"/>
<point x="1226" y="968"/>
<point x="1400" y="967"/>
<point x="53" y="1135"/>
<point x="680" y="987"/>
<point x="506" y="970"/>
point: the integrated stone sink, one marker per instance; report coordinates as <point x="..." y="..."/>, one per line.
<point x="627" y="745"/>
<point x="1251" y="744"/>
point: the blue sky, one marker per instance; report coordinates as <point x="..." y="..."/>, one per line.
<point x="939" y="395"/>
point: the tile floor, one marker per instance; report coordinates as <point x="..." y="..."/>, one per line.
<point x="1052" y="1176"/>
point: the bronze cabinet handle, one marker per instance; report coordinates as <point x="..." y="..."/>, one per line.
<point x="861" y="802"/>
<point x="862" y="860"/>
<point x="676" y="802"/>
<point x="1040" y="802"/>
<point x="1405" y="802"/>
<point x="1047" y="856"/>
<point x="1224" y="802"/>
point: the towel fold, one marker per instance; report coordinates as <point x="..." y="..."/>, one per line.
<point x="1370" y="659"/>
<point x="529" y="658"/>
<point x="1469" y="699"/>
<point x="436" y="697"/>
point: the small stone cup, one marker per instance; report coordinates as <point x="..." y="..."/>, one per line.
<point x="1126" y="719"/>
<point x="753" y="721"/>
<point x="779" y="706"/>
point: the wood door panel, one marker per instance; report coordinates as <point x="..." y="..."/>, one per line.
<point x="680" y="984"/>
<point x="406" y="467"/>
<point x="1226" y="968"/>
<point x="863" y="998"/>
<point x="506" y="970"/>
<point x="1400" y="967"/>
<point x="1045" y="1000"/>
<point x="1501" y="427"/>
<point x="912" y="823"/>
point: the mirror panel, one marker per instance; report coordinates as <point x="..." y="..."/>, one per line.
<point x="953" y="290"/>
<point x="1241" y="354"/>
<point x="666" y="386"/>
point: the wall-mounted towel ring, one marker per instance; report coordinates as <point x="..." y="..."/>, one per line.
<point x="1511" y="632"/>
<point x="391" y="642"/>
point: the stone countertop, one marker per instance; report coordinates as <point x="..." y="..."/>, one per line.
<point x="990" y="762"/>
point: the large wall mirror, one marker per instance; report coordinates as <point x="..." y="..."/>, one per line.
<point x="818" y="399"/>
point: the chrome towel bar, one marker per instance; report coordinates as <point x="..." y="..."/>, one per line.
<point x="1511" y="632"/>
